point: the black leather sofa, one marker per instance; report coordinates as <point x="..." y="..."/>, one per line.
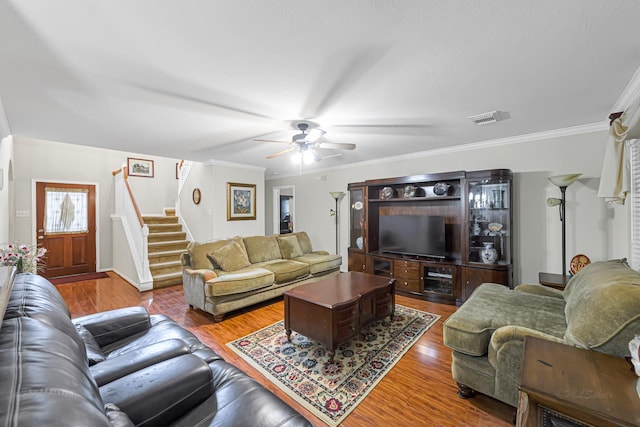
<point x="118" y="368"/>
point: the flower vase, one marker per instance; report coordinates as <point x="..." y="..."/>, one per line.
<point x="489" y="254"/>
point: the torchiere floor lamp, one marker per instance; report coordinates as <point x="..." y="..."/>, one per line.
<point x="562" y="181"/>
<point x="337" y="195"/>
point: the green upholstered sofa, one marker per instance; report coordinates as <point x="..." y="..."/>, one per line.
<point x="227" y="274"/>
<point x="599" y="310"/>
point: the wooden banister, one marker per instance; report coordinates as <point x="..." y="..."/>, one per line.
<point x="124" y="170"/>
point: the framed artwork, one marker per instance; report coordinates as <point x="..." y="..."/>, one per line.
<point x="140" y="167"/>
<point x="241" y="201"/>
<point x="197" y="196"/>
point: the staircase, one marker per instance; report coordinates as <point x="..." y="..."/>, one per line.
<point x="167" y="242"/>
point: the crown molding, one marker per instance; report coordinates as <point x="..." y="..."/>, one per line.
<point x="5" y="129"/>
<point x="519" y="139"/>
<point x="630" y="94"/>
<point x="213" y="162"/>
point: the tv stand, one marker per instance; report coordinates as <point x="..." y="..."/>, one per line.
<point x="477" y="210"/>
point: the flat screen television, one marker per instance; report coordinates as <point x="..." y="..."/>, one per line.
<point x="422" y="235"/>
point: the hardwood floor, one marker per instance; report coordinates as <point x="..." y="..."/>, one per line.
<point x="418" y="391"/>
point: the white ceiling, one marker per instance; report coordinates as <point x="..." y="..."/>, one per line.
<point x="200" y="79"/>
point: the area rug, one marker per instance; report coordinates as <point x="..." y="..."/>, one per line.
<point x="78" y="278"/>
<point x="332" y="390"/>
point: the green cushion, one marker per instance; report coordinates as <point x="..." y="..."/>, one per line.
<point x="305" y="242"/>
<point x="289" y="247"/>
<point x="492" y="306"/>
<point x="198" y="252"/>
<point x="603" y="307"/>
<point x="320" y="261"/>
<point x="285" y="270"/>
<point x="262" y="248"/>
<point x="240" y="281"/>
<point x="230" y="257"/>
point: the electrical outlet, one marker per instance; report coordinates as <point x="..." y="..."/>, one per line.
<point x="22" y="214"/>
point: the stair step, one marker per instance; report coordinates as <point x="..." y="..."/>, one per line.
<point x="168" y="246"/>
<point x="160" y="219"/>
<point x="164" y="228"/>
<point x="165" y="268"/>
<point x="170" y="211"/>
<point x="167" y="280"/>
<point x="166" y="237"/>
<point x="166" y="256"/>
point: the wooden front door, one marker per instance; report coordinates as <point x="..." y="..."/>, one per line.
<point x="66" y="227"/>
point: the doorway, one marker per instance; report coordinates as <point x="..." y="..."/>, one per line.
<point x="66" y="227"/>
<point x="283" y="209"/>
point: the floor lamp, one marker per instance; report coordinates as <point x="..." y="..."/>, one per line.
<point x="562" y="181"/>
<point x="337" y="195"/>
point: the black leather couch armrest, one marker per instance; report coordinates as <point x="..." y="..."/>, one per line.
<point x="114" y="325"/>
<point x="161" y="393"/>
<point x="125" y="364"/>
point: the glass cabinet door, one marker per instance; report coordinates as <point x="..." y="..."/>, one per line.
<point x="489" y="215"/>
<point x="357" y="216"/>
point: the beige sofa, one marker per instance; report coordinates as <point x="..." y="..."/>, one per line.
<point x="224" y="275"/>
<point x="598" y="310"/>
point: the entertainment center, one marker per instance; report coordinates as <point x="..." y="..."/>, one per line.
<point x="439" y="235"/>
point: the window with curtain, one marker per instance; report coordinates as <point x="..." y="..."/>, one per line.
<point x="634" y="157"/>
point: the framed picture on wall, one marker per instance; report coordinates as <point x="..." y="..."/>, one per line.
<point x="140" y="167"/>
<point x="241" y="201"/>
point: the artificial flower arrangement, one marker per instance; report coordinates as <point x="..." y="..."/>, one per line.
<point x="26" y="258"/>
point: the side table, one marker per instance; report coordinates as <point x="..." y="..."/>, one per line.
<point x="562" y="385"/>
<point x="553" y="280"/>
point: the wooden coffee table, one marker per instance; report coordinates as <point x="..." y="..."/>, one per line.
<point x="332" y="311"/>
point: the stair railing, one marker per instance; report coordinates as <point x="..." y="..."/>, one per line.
<point x="184" y="169"/>
<point x="135" y="230"/>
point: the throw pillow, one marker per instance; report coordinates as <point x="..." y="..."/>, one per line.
<point x="305" y="242"/>
<point x="230" y="257"/>
<point x="289" y="247"/>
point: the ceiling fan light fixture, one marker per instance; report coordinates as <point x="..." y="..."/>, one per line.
<point x="307" y="157"/>
<point x="315" y="134"/>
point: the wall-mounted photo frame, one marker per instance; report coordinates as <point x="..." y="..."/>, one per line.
<point x="140" y="167"/>
<point x="241" y="201"/>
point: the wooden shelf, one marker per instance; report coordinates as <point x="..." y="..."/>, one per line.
<point x="414" y="199"/>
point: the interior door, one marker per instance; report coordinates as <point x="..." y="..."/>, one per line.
<point x="66" y="225"/>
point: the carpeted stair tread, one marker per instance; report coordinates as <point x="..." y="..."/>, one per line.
<point x="160" y="219"/>
<point x="164" y="228"/>
<point x="168" y="246"/>
<point x="165" y="268"/>
<point x="163" y="280"/>
<point x="167" y="237"/>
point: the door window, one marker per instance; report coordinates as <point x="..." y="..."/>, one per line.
<point x="66" y="210"/>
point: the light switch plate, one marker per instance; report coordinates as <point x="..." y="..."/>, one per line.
<point x="22" y="214"/>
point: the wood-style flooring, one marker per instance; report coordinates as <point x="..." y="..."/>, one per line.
<point x="418" y="391"/>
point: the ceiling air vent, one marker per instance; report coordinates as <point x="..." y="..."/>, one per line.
<point x="487" y="118"/>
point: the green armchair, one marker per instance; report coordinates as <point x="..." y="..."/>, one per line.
<point x="599" y="310"/>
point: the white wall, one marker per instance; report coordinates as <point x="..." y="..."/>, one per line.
<point x="6" y="159"/>
<point x="208" y="220"/>
<point x="55" y="161"/>
<point x="593" y="228"/>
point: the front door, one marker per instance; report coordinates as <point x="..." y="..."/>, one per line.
<point x="66" y="224"/>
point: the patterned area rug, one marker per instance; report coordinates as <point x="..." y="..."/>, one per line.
<point x="332" y="390"/>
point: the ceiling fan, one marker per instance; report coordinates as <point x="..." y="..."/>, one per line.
<point x="305" y="145"/>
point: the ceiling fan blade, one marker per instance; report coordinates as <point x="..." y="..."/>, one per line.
<point x="280" y="153"/>
<point x="338" y="145"/>
<point x="314" y="135"/>
<point x="271" y="140"/>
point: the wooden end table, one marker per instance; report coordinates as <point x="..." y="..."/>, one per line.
<point x="568" y="386"/>
<point x="557" y="281"/>
<point x="332" y="311"/>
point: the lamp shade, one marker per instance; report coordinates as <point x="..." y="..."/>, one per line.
<point x="564" y="180"/>
<point x="336" y="194"/>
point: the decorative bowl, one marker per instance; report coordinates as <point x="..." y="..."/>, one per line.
<point x="494" y="227"/>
